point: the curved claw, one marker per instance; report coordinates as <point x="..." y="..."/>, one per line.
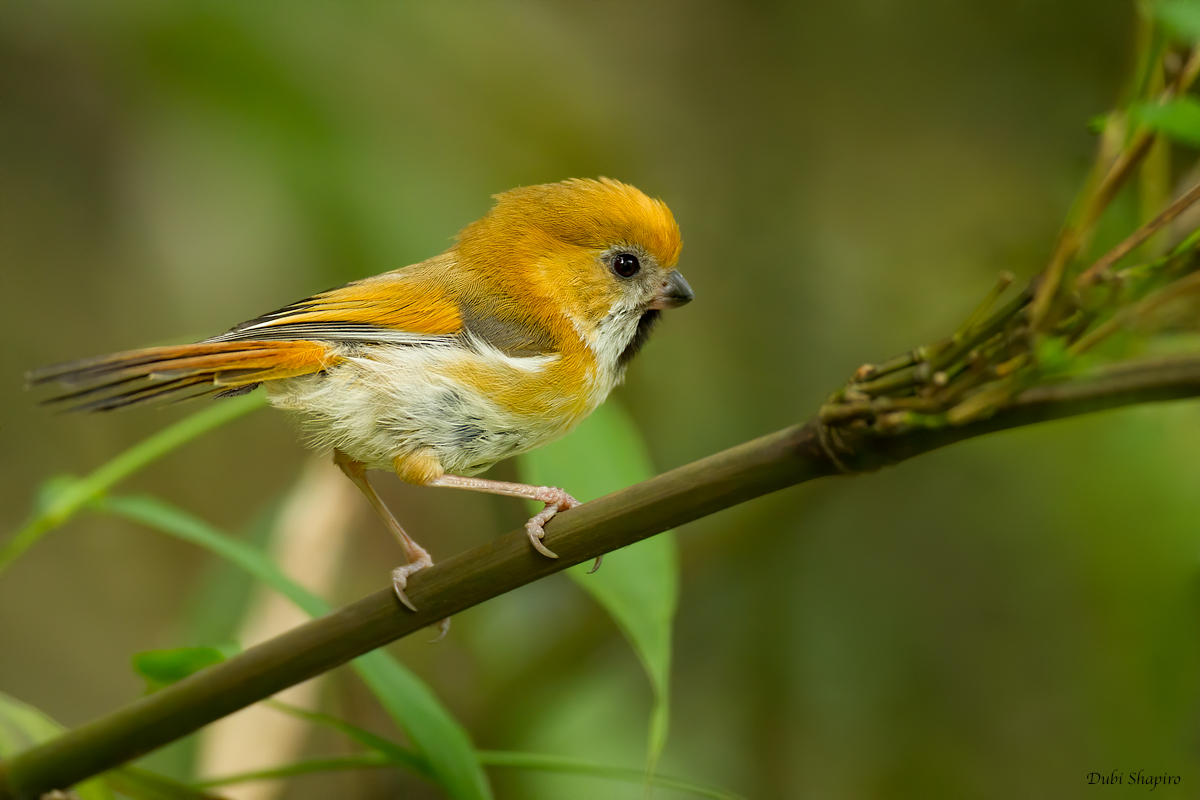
<point x="535" y="533"/>
<point x="403" y="597"/>
<point x="443" y="628"/>
<point x="400" y="582"/>
<point x="556" y="500"/>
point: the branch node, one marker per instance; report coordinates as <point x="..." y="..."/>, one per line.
<point x="832" y="443"/>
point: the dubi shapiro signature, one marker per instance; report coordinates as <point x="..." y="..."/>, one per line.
<point x="1139" y="778"/>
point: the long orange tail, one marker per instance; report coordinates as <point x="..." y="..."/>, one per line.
<point x="179" y="372"/>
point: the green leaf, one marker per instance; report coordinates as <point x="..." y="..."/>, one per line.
<point x="437" y="736"/>
<point x="63" y="498"/>
<point x="563" y="764"/>
<point x="395" y="754"/>
<point x="142" y="784"/>
<point x="297" y="768"/>
<point x="444" y="743"/>
<point x="637" y="585"/>
<point x="492" y="758"/>
<point x="1180" y="18"/>
<point x="385" y="753"/>
<point x="22" y="726"/>
<point x="163" y="667"/>
<point x="1178" y="120"/>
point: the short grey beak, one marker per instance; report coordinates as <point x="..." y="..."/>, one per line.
<point x="674" y="292"/>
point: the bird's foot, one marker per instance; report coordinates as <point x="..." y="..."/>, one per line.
<point x="400" y="576"/>
<point x="556" y="500"/>
<point x="400" y="583"/>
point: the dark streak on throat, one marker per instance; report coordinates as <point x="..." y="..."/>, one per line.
<point x="644" y="326"/>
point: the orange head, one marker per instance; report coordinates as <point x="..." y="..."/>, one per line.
<point x="595" y="250"/>
<point x="575" y="242"/>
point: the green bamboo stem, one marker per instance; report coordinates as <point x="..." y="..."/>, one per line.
<point x="794" y="455"/>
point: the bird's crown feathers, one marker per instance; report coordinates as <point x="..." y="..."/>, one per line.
<point x="587" y="213"/>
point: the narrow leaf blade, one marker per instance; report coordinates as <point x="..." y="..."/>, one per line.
<point x="564" y="765"/>
<point x="637" y="585"/>
<point x="22" y="726"/>
<point x="70" y="496"/>
<point x="436" y="735"/>
<point x="492" y="758"/>
<point x="142" y="784"/>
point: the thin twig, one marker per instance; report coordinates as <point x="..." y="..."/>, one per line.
<point x="1098" y="270"/>
<point x="1072" y="239"/>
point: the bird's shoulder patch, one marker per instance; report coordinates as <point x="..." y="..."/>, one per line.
<point x="512" y="334"/>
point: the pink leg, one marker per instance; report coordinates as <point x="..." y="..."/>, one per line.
<point x="556" y="500"/>
<point x="418" y="557"/>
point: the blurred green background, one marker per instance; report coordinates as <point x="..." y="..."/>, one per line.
<point x="995" y="620"/>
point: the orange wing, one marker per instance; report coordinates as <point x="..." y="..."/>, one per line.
<point x="403" y="307"/>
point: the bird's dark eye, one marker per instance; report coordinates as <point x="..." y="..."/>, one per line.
<point x="626" y="265"/>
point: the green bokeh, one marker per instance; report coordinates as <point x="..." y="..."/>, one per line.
<point x="993" y="620"/>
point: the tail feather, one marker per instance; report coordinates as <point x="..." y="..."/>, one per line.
<point x="168" y="389"/>
<point x="179" y="372"/>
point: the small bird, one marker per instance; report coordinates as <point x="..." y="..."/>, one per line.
<point x="438" y="370"/>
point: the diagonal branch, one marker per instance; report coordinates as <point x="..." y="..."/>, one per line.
<point x="1101" y="268"/>
<point x="788" y="457"/>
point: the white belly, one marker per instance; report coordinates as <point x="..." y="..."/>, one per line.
<point x="394" y="401"/>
